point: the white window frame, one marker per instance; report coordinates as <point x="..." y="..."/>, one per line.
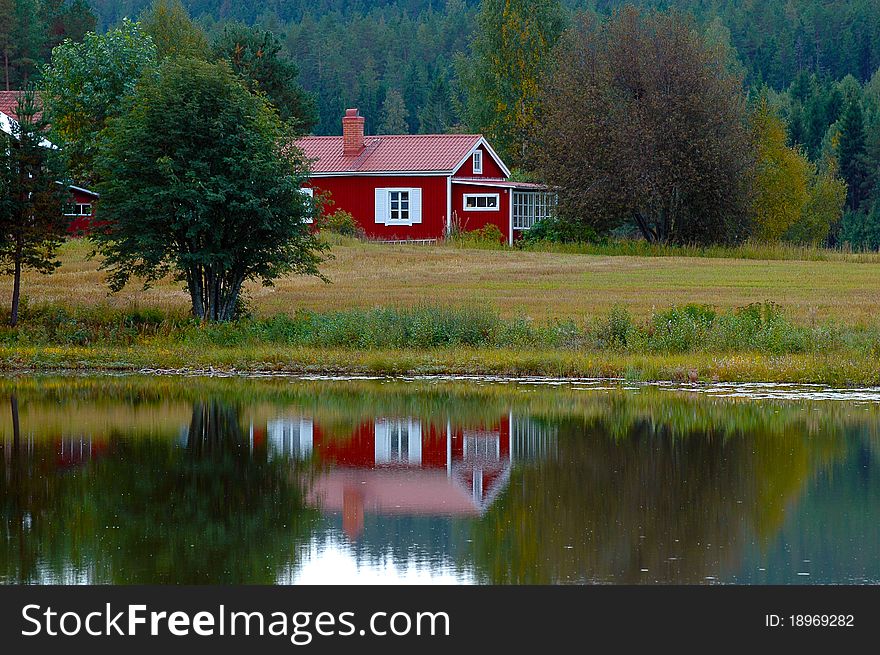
<point x="79" y="211"/>
<point x="310" y="192"/>
<point x="383" y="206"/>
<point x="478" y="162"/>
<point x="403" y="196"/>
<point x="529" y="207"/>
<point x="496" y="208"/>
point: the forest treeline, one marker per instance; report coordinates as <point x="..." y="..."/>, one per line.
<point x="775" y="105"/>
<point x="357" y="52"/>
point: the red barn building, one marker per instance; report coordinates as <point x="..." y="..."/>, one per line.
<point x="420" y="187"/>
<point x="81" y="207"/>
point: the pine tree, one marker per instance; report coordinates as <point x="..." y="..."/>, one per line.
<point x="438" y="115"/>
<point x="29" y="34"/>
<point x="32" y="223"/>
<point x="7" y="38"/>
<point x="394" y="114"/>
<point x="256" y="56"/>
<point x="852" y="154"/>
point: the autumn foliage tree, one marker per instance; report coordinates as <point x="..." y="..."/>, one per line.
<point x="794" y="199"/>
<point x="781" y="177"/>
<point x="643" y="123"/>
<point x="503" y="77"/>
<point x="168" y="23"/>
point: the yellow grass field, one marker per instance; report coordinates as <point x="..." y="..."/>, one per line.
<point x="535" y="284"/>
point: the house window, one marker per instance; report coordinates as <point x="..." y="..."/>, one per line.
<point x="478" y="162"/>
<point x="481" y="202"/>
<point x="310" y="193"/>
<point x="529" y="207"/>
<point x="398" y="206"/>
<point x="80" y="209"/>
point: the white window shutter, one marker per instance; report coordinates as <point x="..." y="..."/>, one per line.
<point x="415" y="205"/>
<point x="382" y="206"/>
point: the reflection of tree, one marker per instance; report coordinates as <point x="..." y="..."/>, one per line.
<point x="153" y="511"/>
<point x="208" y="513"/>
<point x="651" y="505"/>
<point x="40" y="521"/>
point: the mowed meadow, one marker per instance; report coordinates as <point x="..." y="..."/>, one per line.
<point x="542" y="286"/>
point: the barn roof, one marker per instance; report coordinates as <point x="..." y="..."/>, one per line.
<point x="407" y="153"/>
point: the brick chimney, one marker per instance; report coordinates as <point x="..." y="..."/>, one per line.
<point x="352" y="133"/>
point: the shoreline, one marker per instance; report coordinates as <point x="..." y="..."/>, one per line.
<point x="839" y="370"/>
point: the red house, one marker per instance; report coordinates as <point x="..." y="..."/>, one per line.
<point x="81" y="207"/>
<point x="418" y="187"/>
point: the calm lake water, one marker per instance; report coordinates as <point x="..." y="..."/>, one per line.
<point x="278" y="480"/>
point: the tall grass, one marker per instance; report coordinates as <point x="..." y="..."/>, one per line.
<point x="759" y="328"/>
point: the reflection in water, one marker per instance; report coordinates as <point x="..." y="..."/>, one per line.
<point x="141" y="480"/>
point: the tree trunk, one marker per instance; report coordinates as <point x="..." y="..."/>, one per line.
<point x="649" y="234"/>
<point x="213" y="297"/>
<point x="16" y="287"/>
<point x="6" y="65"/>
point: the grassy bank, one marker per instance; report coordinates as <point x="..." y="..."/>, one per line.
<point x="752" y="343"/>
<point x="543" y="286"/>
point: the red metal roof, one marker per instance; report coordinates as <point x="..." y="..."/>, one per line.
<point x="9" y="103"/>
<point x="389" y="153"/>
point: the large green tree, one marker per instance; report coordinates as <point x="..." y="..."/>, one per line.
<point x="256" y="55"/>
<point x="32" y="223"/>
<point x="200" y="179"/>
<point x="503" y="76"/>
<point x="644" y="124"/>
<point x="86" y="84"/>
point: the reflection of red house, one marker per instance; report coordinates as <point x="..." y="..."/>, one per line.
<point x="402" y="466"/>
<point x="73" y="452"/>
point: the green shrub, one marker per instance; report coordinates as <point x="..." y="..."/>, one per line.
<point x="615" y="331"/>
<point x="556" y="230"/>
<point x="488" y="235"/>
<point x="680" y="329"/>
<point x="342" y="222"/>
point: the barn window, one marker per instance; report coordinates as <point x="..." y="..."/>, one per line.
<point x="481" y="202"/>
<point x="398" y="206"/>
<point x="478" y="162"/>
